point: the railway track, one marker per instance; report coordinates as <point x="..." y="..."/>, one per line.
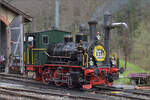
<point x="138" y="92"/>
<point x="10" y="94"/>
<point x="28" y="83"/>
<point x="118" y="93"/>
<point x="124" y="93"/>
<point x="40" y="87"/>
<point x="13" y="76"/>
<point x="39" y="95"/>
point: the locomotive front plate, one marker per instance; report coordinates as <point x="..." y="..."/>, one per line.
<point x="99" y="53"/>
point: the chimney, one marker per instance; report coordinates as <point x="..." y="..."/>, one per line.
<point x="92" y="26"/>
<point x="57" y="14"/>
<point x="107" y="27"/>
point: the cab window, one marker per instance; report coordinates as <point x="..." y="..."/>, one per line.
<point x="31" y="41"/>
<point x="45" y="39"/>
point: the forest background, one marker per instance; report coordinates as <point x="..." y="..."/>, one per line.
<point x="73" y="13"/>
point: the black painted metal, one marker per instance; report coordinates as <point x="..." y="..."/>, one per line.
<point x="106" y="46"/>
<point x="107" y="27"/>
<point x="92" y="26"/>
<point x="71" y="52"/>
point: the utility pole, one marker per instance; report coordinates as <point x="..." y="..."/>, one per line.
<point x="57" y="14"/>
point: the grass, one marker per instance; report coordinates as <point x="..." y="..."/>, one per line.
<point x="131" y="68"/>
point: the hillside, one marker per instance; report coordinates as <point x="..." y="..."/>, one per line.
<point x="73" y="13"/>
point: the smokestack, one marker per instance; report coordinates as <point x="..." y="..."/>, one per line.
<point x="92" y="26"/>
<point x="107" y="26"/>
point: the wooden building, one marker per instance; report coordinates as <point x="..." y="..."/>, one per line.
<point x="11" y="35"/>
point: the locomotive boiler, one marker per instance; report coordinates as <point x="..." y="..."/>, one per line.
<point x="78" y="52"/>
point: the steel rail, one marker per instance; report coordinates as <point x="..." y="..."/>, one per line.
<point x="41" y="93"/>
<point x="14" y="76"/>
<point x="121" y="95"/>
<point x="125" y="90"/>
<point x="107" y="90"/>
<point x="3" y="92"/>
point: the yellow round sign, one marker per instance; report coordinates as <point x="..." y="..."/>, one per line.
<point x="99" y="53"/>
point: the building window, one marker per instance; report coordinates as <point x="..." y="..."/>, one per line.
<point x="45" y="39"/>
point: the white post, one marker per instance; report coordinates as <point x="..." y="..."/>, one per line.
<point x="0" y="36"/>
<point x="21" y="46"/>
<point x="8" y="50"/>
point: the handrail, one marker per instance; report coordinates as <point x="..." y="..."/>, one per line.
<point x="83" y="60"/>
<point x="27" y="55"/>
<point x="87" y="62"/>
<point x="32" y="54"/>
<point x="39" y="49"/>
<point x="36" y="49"/>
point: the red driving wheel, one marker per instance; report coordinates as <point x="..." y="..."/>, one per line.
<point x="46" y="76"/>
<point x="58" y="77"/>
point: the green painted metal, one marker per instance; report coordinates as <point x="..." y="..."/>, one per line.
<point x="39" y="57"/>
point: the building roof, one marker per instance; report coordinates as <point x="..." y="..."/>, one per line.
<point x="15" y="10"/>
<point x="50" y="31"/>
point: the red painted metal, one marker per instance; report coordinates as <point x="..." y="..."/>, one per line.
<point x="88" y="72"/>
<point x="46" y="76"/>
<point x="32" y="67"/>
<point x="109" y="84"/>
<point x="57" y="77"/>
<point x="55" y="65"/>
<point x="97" y="80"/>
<point x="88" y="86"/>
<point x="38" y="76"/>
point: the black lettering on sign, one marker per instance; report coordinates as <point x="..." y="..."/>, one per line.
<point x="99" y="53"/>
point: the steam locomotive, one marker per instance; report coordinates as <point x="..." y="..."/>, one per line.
<point x="81" y="63"/>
